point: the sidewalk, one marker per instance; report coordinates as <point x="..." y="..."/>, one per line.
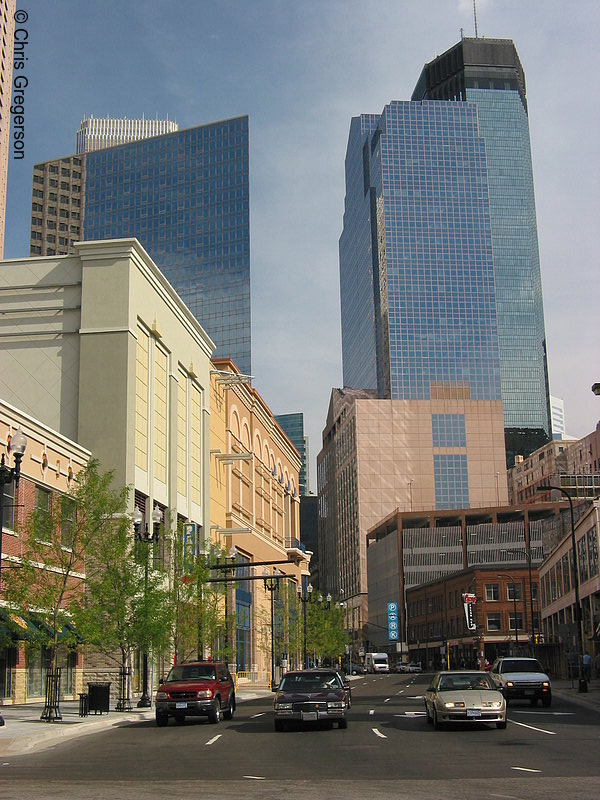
<point x="24" y="731"/>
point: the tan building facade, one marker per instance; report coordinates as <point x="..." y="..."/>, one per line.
<point x="50" y="464"/>
<point x="255" y="507"/>
<point x="382" y="455"/>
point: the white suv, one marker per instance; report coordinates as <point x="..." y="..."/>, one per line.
<point x="522" y="678"/>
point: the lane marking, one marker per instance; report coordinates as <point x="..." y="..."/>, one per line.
<point x="531" y="727"/>
<point x="214" y="739"/>
<point x="254" y="716"/>
<point x="411" y="714"/>
<point x="387" y="699"/>
<point x="371" y="712"/>
<point x="526" y="769"/>
<point x="379" y="733"/>
<point x="548" y="713"/>
<point x="254" y="777"/>
<point x="400" y="692"/>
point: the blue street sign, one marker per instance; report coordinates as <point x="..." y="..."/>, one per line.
<point x="392" y="609"/>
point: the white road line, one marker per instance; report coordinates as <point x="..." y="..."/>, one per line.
<point x="214" y="739"/>
<point x="547" y="713"/>
<point x="254" y="716"/>
<point x="411" y="714"/>
<point x="379" y="733"/>
<point x="387" y="699"/>
<point x="371" y="712"/>
<point x="526" y="769"/>
<point x="254" y="777"/>
<point x="400" y="692"/>
<point x="532" y="728"/>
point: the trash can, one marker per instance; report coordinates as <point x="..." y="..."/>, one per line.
<point x="98" y="697"/>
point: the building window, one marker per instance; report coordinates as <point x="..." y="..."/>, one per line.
<point x="513" y="591"/>
<point x="511" y="621"/>
<point x="448" y="430"/>
<point x="492" y="592"/>
<point x="67" y="521"/>
<point x="9" y="505"/>
<point x="493" y="622"/>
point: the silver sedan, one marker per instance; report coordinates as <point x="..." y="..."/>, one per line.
<point x="464" y="696"/>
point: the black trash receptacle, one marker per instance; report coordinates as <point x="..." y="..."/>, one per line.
<point x="98" y="697"/>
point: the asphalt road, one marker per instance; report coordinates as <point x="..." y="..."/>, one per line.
<point x="388" y="750"/>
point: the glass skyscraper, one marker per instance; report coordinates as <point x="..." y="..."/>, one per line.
<point x="488" y="74"/>
<point x="416" y="263"/>
<point x="293" y="427"/>
<point x="185" y="197"/>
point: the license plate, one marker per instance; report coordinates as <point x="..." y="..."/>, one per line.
<point x="529" y="692"/>
<point x="180" y="705"/>
<point x="473" y="712"/>
<point x="309" y="716"/>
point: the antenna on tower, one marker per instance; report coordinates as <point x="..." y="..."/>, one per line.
<point x="475" y="15"/>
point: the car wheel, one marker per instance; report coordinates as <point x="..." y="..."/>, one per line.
<point x="230" y="711"/>
<point x="501" y="725"/>
<point x="180" y="719"/>
<point x="343" y="723"/>
<point x="279" y="725"/>
<point x="162" y="720"/>
<point x="436" y="723"/>
<point x="546" y="701"/>
<point x="428" y="715"/>
<point x="214" y="715"/>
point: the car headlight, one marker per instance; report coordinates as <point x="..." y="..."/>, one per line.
<point x="492" y="704"/>
<point x="335" y="704"/>
<point x="546" y="684"/>
<point x="162" y="696"/>
<point x="510" y="684"/>
<point x="454" y="704"/>
<point x="283" y="706"/>
<point x="203" y="694"/>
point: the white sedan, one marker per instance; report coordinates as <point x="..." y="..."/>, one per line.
<point x="464" y="696"/>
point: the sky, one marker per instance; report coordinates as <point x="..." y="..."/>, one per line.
<point x="301" y="71"/>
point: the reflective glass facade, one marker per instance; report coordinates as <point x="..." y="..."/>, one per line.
<point x="416" y="265"/>
<point x="185" y="197"/>
<point x="489" y="74"/>
<point x="293" y="427"/>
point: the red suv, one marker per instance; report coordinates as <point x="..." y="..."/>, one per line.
<point x="196" y="689"/>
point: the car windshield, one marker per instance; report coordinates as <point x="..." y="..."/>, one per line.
<point x="193" y="672"/>
<point x="310" y="682"/>
<point x="461" y="681"/>
<point x="521" y="665"/>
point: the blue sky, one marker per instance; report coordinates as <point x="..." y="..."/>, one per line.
<point x="301" y="71"/>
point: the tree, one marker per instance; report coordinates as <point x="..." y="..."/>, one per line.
<point x="326" y="636"/>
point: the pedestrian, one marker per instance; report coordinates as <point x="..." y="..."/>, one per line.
<point x="587" y="666"/>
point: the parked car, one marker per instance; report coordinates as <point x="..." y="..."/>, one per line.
<point x="464" y="696"/>
<point x="414" y="666"/>
<point x="315" y="695"/>
<point x="523" y="679"/>
<point x="353" y="669"/>
<point x="195" y="689"/>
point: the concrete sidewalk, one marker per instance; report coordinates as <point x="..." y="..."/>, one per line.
<point x="24" y="731"/>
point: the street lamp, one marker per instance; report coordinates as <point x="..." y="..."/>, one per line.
<point x="8" y="475"/>
<point x="583" y="687"/>
<point x="270" y="583"/>
<point x="231" y="556"/>
<point x="148" y="537"/>
<point x="304" y="598"/>
<point x="514" y="594"/>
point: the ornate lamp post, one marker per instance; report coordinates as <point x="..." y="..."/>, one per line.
<point x="270" y="585"/>
<point x="304" y="598"/>
<point x="8" y="475"/>
<point x="144" y="535"/>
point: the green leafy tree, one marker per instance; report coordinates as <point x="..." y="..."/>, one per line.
<point x="326" y="636"/>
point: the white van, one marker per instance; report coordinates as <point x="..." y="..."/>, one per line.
<point x="377" y="662"/>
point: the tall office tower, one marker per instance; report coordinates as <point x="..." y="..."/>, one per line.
<point x="293" y="427"/>
<point x="488" y="74"/>
<point x="97" y="132"/>
<point x="7" y="24"/>
<point x="185" y="197"/>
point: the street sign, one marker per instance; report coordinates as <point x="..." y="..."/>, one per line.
<point x="469" y="601"/>
<point x="392" y="609"/>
